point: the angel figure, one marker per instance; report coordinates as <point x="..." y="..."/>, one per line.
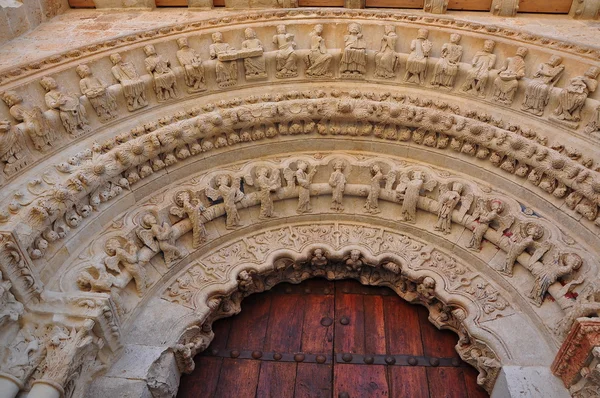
<point x="227" y="189"/>
<point x="105" y="282"/>
<point x="267" y="181"/>
<point x="338" y="182"/>
<point x="303" y="180"/>
<point x="447" y="202"/>
<point x="372" y="203"/>
<point x="124" y="253"/>
<point x="191" y="207"/>
<point x="548" y="272"/>
<point x="486" y="212"/>
<point x="159" y="237"/>
<point x="354" y="262"/>
<point x="409" y="189"/>
<point x="527" y="237"/>
<point x="587" y="305"/>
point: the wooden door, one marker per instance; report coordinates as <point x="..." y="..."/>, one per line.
<point x="322" y="339"/>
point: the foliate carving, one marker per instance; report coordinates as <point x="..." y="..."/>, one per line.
<point x="102" y="100"/>
<point x="226" y="69"/>
<point x="34" y="123"/>
<point x="188" y="205"/>
<point x="20" y="357"/>
<point x="387" y="61"/>
<point x="286" y="53"/>
<point x="409" y="190"/>
<point x="446" y="69"/>
<point x="554" y="267"/>
<point x="353" y="64"/>
<point x="133" y="86"/>
<point x="572" y="98"/>
<point x="507" y="82"/>
<point x="337" y="181"/>
<point x="482" y="64"/>
<point x="266" y="181"/>
<point x="227" y="188"/>
<point x="537" y="92"/>
<point x="159" y="237"/>
<point x="527" y="236"/>
<point x="14" y="154"/>
<point x="487" y="212"/>
<point x="165" y="82"/>
<point x="254" y="65"/>
<point x="10" y="309"/>
<point x="193" y="70"/>
<point x="318" y="59"/>
<point x="15" y="268"/>
<point x="72" y="113"/>
<point x="303" y="179"/>
<point x="416" y="64"/>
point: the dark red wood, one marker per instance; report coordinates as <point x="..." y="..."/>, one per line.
<point x="473" y="389"/>
<point x="360" y="380"/>
<point x="313" y="381"/>
<point x="408" y="382"/>
<point x="276" y="380"/>
<point x="446" y="383"/>
<point x="317" y="338"/>
<point x="436" y="343"/>
<point x="350" y="337"/>
<point x="403" y="332"/>
<point x="211" y="369"/>
<point x="374" y="325"/>
<point x="254" y="318"/>
<point x="238" y="378"/>
<point x="284" y="333"/>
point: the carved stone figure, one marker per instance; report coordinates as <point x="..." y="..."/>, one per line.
<point x="372" y="203"/>
<point x="285" y="60"/>
<point x="318" y="262"/>
<point x="226" y="70"/>
<point x="318" y="59"/>
<point x="426" y="289"/>
<point x="303" y="179"/>
<point x="228" y="189"/>
<point x="572" y="98"/>
<point x="165" y="82"/>
<point x="72" y="113"/>
<point x="387" y="60"/>
<point x="446" y="68"/>
<point x="354" y="263"/>
<point x="409" y="191"/>
<point x="527" y="237"/>
<point x="507" y="81"/>
<point x="102" y="100"/>
<point x="447" y="202"/>
<point x="34" y="122"/>
<point x="193" y="70"/>
<point x="537" y="93"/>
<point x="482" y="64"/>
<point x="14" y="154"/>
<point x="22" y="355"/>
<point x="337" y="181"/>
<point x="159" y="237"/>
<point x="191" y="207"/>
<point x="416" y="64"/>
<point x="486" y="212"/>
<point x="104" y="282"/>
<point x="548" y="272"/>
<point x="122" y="253"/>
<point x="267" y="181"/>
<point x="10" y="309"/>
<point x="254" y="66"/>
<point x="593" y="126"/>
<point x="133" y="86"/>
<point x="354" y="58"/>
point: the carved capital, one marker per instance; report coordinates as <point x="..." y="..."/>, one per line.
<point x="16" y="267"/>
<point x="576" y="351"/>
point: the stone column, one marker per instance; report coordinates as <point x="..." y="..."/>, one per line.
<point x="585" y="9"/>
<point x="8" y="386"/>
<point x="436" y="6"/>
<point x="354" y="3"/>
<point x="43" y="389"/>
<point x="137" y="4"/>
<point x="505" y="8"/>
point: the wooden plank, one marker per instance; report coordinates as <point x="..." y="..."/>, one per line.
<point x="284" y="333"/>
<point x="250" y="325"/>
<point x="374" y="325"/>
<point x="547" y="6"/>
<point x="360" y="380"/>
<point x="408" y="382"/>
<point x="276" y="380"/>
<point x="238" y="378"/>
<point x="317" y="338"/>
<point x="473" y="389"/>
<point x="350" y="337"/>
<point x="171" y="3"/>
<point x="402" y="330"/>
<point x="203" y="381"/>
<point x="396" y="3"/>
<point x="470" y="5"/>
<point x="313" y="381"/>
<point x="436" y="343"/>
<point x="82" y="4"/>
<point x="320" y="3"/>
<point x="446" y="383"/>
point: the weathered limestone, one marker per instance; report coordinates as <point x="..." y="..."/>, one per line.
<point x="128" y="4"/>
<point x="585" y="9"/>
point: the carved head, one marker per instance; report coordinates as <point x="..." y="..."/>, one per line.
<point x="48" y="83"/>
<point x="417" y="175"/>
<point x="354" y="28"/>
<point x="457" y="187"/>
<point x="182" y="196"/>
<point x="318" y="29"/>
<point x="522" y="52"/>
<point x="84" y="280"/>
<point x="217" y="37"/>
<point x="338" y="165"/>
<point x="302" y="166"/>
<point x="455" y="38"/>
<point x="149" y="50"/>
<point x="281" y="29"/>
<point x="534" y="230"/>
<point x="83" y="71"/>
<point x="262" y="172"/>
<point x="489" y="45"/>
<point x="422" y="34"/>
<point x="249" y="33"/>
<point x="355" y="255"/>
<point x="389" y="29"/>
<point x="11" y="98"/>
<point x="111" y="246"/>
<point x="555" y="60"/>
<point x="572" y="260"/>
<point x="115" y="58"/>
<point x="318" y="253"/>
<point x="148" y="220"/>
<point x="497" y="205"/>
<point x="182" y="42"/>
<point x="375" y="169"/>
<point x="428" y="282"/>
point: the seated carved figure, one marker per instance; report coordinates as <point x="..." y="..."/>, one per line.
<point x="416" y="64"/>
<point x="386" y="60"/>
<point x="482" y="64"/>
<point x="226" y="70"/>
<point x="537" y="93"/>
<point x="193" y="70"/>
<point x="507" y="82"/>
<point x="286" y="54"/>
<point x="102" y="100"/>
<point x="72" y="113"/>
<point x="318" y="59"/>
<point x="165" y="83"/>
<point x="572" y="98"/>
<point x="133" y="86"/>
<point x="254" y="66"/>
<point x="446" y="69"/>
<point x="354" y="57"/>
<point x="34" y="122"/>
